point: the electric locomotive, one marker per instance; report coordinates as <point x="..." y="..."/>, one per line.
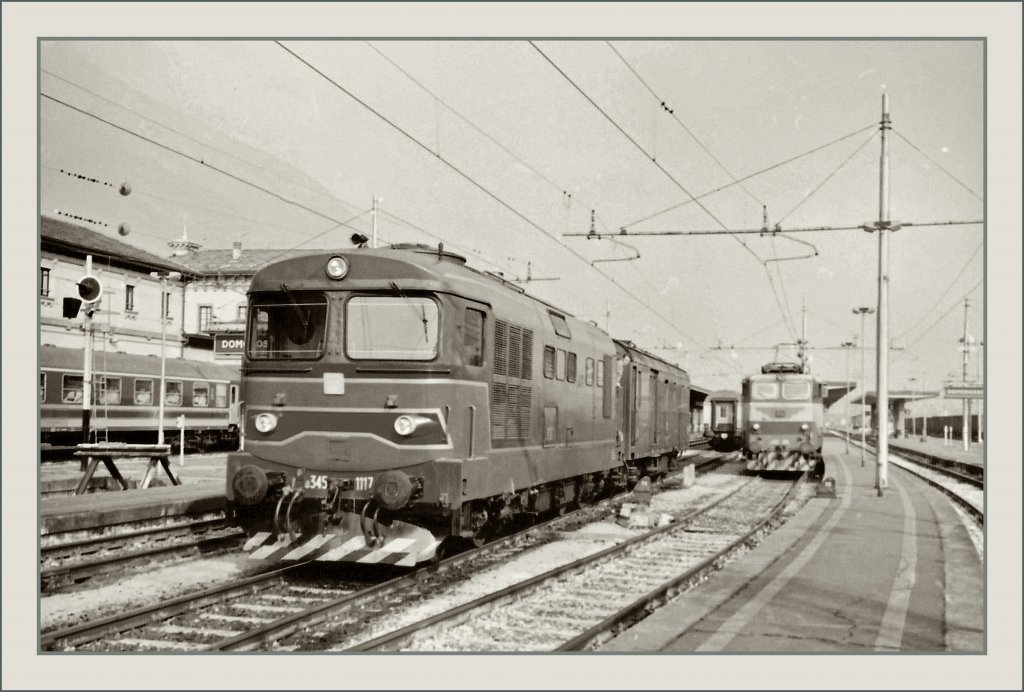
<point x="783" y="412"/>
<point x="397" y="402"/>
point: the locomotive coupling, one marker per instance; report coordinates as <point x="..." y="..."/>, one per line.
<point x="392" y="489"/>
<point x="250" y="485"/>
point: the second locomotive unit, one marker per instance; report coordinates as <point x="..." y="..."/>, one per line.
<point x="783" y="412"/>
<point x="396" y="399"/>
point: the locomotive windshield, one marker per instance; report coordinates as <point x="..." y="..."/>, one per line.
<point x="287" y="325"/>
<point x="764" y="390"/>
<point x="796" y="391"/>
<point x="391" y="328"/>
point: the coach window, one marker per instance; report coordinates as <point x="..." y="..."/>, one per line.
<point x="473" y="337"/>
<point x="570" y="367"/>
<point x="173" y="396"/>
<point x="111" y="392"/>
<point x="560" y="364"/>
<point x="560" y="325"/>
<point x="42" y="387"/>
<point x="549" y="362"/>
<point x="143" y="392"/>
<point x="220" y="395"/>
<point x="589" y="372"/>
<point x="200" y="394"/>
<point x="71" y="389"/>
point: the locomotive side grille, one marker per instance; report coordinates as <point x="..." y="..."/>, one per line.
<point x="500" y="347"/>
<point x="511" y="390"/>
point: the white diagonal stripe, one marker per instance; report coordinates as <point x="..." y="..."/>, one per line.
<point x="267" y="550"/>
<point x="344" y="549"/>
<point x="396" y="546"/>
<point x="256" y="540"/>
<point x="307" y="547"/>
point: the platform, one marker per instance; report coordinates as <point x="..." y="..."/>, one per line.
<point x="855" y="573"/>
<point x="933" y="446"/>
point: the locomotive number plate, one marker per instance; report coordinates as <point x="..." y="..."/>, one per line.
<point x="364" y="482"/>
<point x="316" y="482"/>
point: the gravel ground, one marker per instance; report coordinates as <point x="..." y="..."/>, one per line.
<point x="163" y="583"/>
<point x="572" y="546"/>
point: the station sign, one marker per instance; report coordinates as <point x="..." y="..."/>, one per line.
<point x="229" y="344"/>
<point x="964" y="391"/>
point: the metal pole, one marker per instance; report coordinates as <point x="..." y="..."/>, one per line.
<point x="967" y="402"/>
<point x="164" y="305"/>
<point x="373" y="235"/>
<point x="863" y="375"/>
<point x="882" y="318"/>
<point x="87" y="366"/>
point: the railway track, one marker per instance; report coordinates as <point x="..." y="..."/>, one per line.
<point x="578" y="605"/>
<point x="259" y="610"/>
<point x="65" y="563"/>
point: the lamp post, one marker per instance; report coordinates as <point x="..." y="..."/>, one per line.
<point x="862" y="312"/>
<point x="847" y="345"/>
<point x="165" y="303"/>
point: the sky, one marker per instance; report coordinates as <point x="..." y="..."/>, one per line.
<point x="499" y="148"/>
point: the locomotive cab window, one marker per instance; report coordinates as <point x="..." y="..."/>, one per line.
<point x="391" y="328"/>
<point x="71" y="389"/>
<point x="143" y="392"/>
<point x="560" y="325"/>
<point x="796" y="391"/>
<point x="473" y="337"/>
<point x="200" y="394"/>
<point x="287" y="325"/>
<point x="764" y="390"/>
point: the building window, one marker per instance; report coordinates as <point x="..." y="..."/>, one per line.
<point x="205" y="317"/>
<point x="241" y="313"/>
<point x="71" y="390"/>
<point x="129" y="298"/>
<point x="143" y="392"/>
<point x="166" y="308"/>
<point x="42" y="387"/>
<point x="200" y="394"/>
<point x="44" y="281"/>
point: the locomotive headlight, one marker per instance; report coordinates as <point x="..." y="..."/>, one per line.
<point x="337" y="268"/>
<point x="407" y="425"/>
<point x="756" y="426"/>
<point x="265" y="422"/>
<point x="805" y="427"/>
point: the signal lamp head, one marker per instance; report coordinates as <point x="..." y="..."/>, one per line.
<point x="89" y="289"/>
<point x="337" y="268"/>
<point x="265" y="422"/>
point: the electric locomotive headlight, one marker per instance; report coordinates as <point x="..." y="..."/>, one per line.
<point x="265" y="422"/>
<point x="337" y="268"/>
<point x="805" y="427"/>
<point x="756" y="426"/>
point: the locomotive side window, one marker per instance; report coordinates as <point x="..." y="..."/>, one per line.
<point x="588" y="375"/>
<point x="560" y="325"/>
<point x="570" y="367"/>
<point x="290" y="324"/>
<point x="560" y="364"/>
<point x="42" y="387"/>
<point x="111" y="391"/>
<point x="173" y="394"/>
<point x="391" y="328"/>
<point x="600" y="373"/>
<point x="200" y="394"/>
<point x="71" y="389"/>
<point x="220" y="395"/>
<point x="796" y="391"/>
<point x="549" y="362"/>
<point x="764" y="390"/>
<point x="473" y="337"/>
<point x="143" y="392"/>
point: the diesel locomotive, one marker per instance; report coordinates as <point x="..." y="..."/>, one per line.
<point x="398" y="402"/>
<point x="783" y="413"/>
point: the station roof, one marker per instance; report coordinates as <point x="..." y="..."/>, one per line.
<point x="78" y="241"/>
<point x="870" y="398"/>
